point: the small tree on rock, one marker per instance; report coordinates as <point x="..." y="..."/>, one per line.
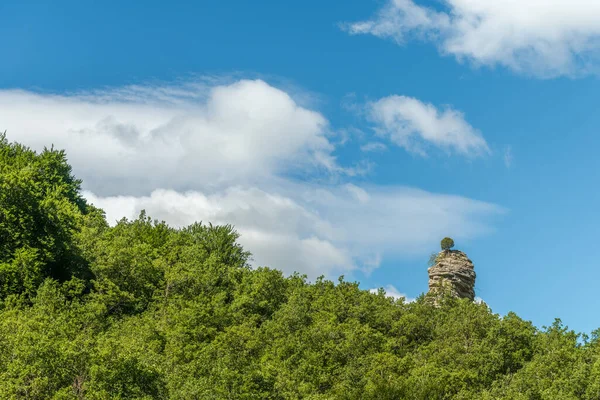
<point x="447" y="243"/>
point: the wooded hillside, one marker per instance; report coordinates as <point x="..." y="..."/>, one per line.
<point x="145" y="311"/>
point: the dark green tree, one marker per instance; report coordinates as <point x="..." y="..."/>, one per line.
<point x="41" y="211"/>
<point x="447" y="243"/>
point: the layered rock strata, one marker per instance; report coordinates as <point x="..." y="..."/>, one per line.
<point x="453" y="271"/>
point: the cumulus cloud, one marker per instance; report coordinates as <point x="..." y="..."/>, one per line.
<point x="412" y="124"/>
<point x="391" y="291"/>
<point x="135" y="139"/>
<point x="545" y="38"/>
<point x="225" y="153"/>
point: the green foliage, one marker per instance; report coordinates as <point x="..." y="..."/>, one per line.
<point x="141" y="310"/>
<point x="41" y="210"/>
<point x="447" y="243"/>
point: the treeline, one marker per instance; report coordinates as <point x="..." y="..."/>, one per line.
<point x="145" y="311"/>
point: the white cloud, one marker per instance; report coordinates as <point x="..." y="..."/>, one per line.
<point x="391" y="291"/>
<point x="279" y="232"/>
<point x="545" y="38"/>
<point x="223" y="154"/>
<point x="318" y="229"/>
<point x="412" y="124"/>
<point x="142" y="138"/>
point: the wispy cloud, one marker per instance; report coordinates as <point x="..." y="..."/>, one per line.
<point x="542" y="38"/>
<point x="414" y="125"/>
<point x="373" y="147"/>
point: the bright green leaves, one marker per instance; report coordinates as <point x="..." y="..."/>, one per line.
<point x="23" y="274"/>
<point x="127" y="264"/>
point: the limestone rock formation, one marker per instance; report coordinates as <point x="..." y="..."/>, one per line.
<point x="453" y="270"/>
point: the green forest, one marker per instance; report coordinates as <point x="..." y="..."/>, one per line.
<point x="141" y="310"/>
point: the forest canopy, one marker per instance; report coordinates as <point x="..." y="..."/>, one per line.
<point x="141" y="310"/>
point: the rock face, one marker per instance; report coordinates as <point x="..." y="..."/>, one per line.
<point x="453" y="270"/>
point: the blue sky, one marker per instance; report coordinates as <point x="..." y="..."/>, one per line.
<point x="261" y="114"/>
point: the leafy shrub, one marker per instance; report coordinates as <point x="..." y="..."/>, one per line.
<point x="447" y="243"/>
